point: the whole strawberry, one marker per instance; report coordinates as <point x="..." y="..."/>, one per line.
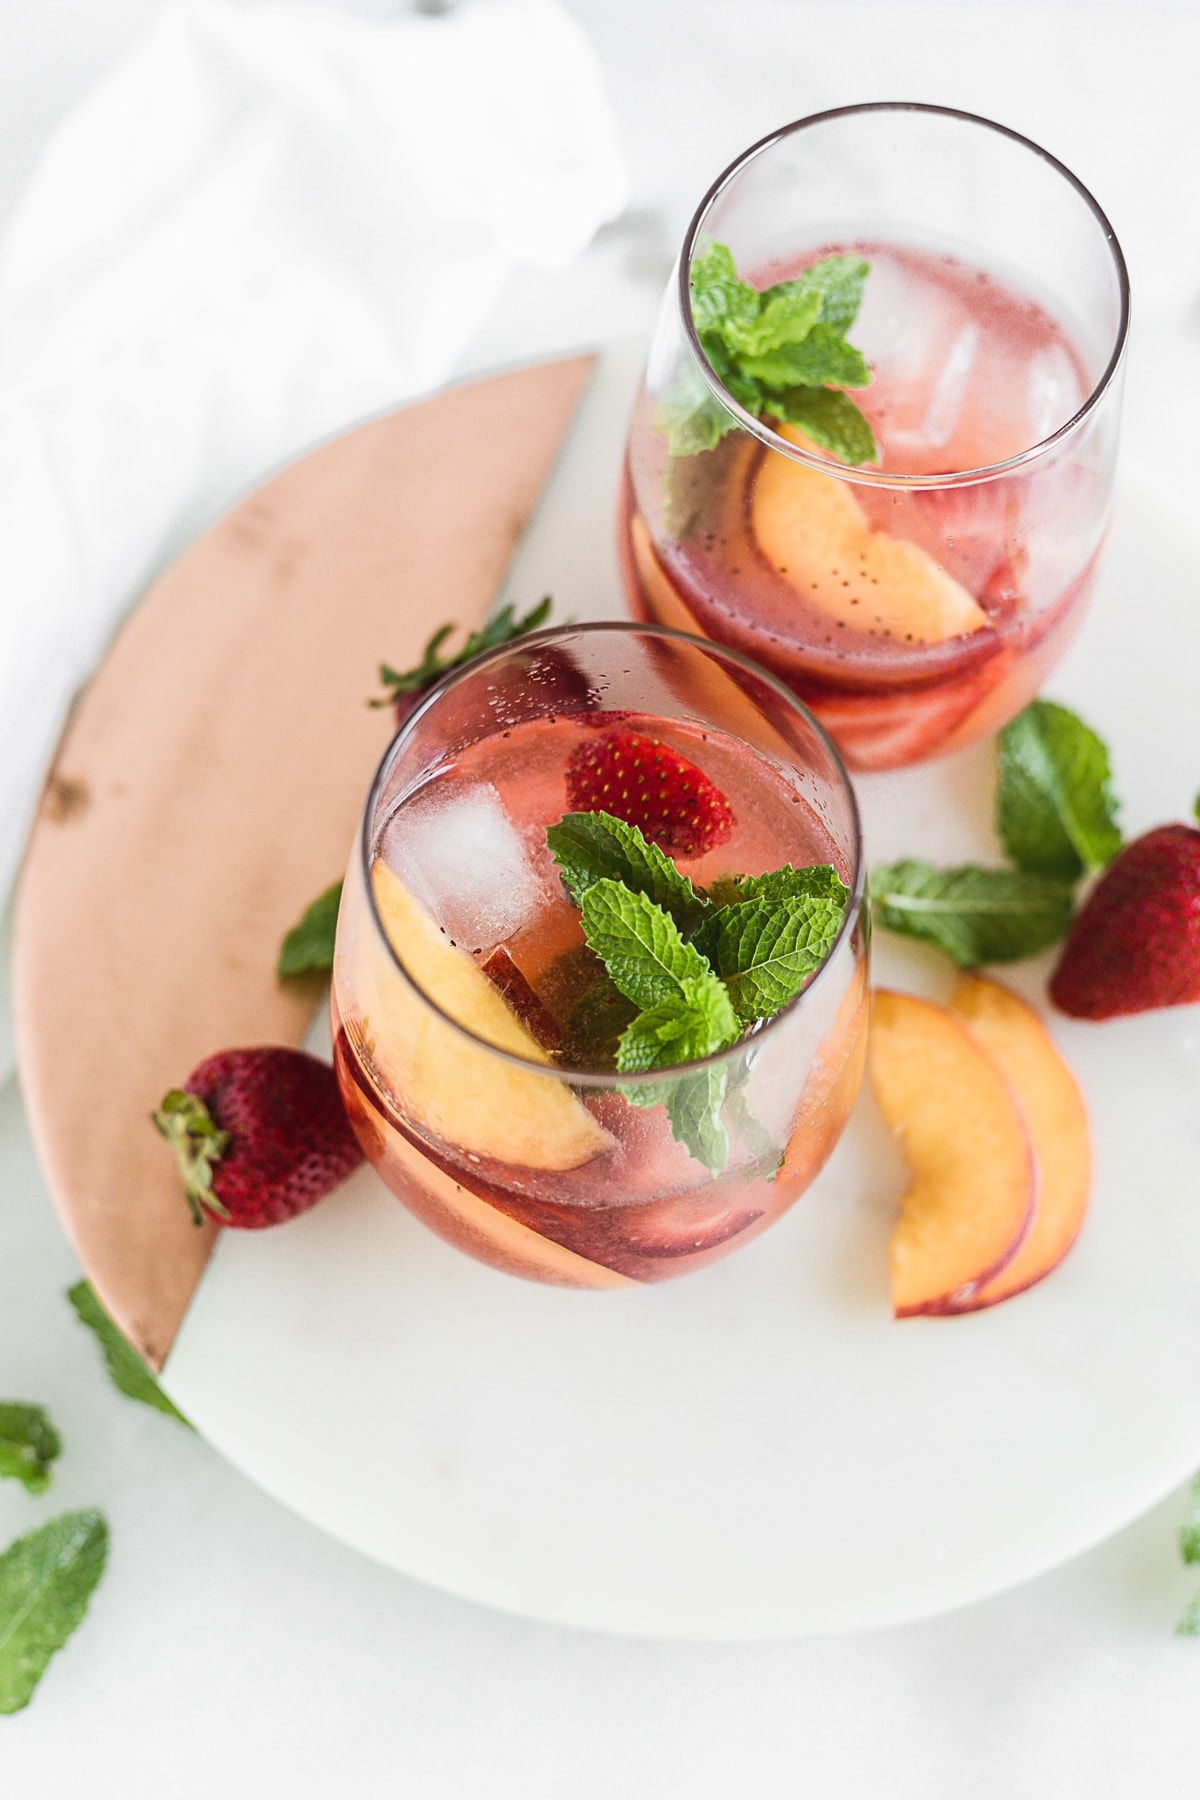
<point x="649" y="785"/>
<point x="260" y="1135"/>
<point x="1135" y="943"/>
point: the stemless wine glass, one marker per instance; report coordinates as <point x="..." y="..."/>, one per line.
<point x="917" y="600"/>
<point x="472" y="1038"/>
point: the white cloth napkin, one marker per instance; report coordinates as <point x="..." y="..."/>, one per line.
<point x="269" y="220"/>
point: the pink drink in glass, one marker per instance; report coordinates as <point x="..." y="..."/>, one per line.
<point x="544" y="1167"/>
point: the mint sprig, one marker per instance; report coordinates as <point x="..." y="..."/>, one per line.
<point x="500" y="629"/>
<point x="1055" y="810"/>
<point x="28" y="1444"/>
<point x="697" y="967"/>
<point x="46" y="1581"/>
<point x="781" y="352"/>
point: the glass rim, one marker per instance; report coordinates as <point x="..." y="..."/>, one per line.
<point x="879" y="477"/>
<point x="603" y="1080"/>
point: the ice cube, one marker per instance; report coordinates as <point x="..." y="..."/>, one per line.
<point x="463" y="858"/>
<point x="1055" y="390"/>
<point x="950" y="388"/>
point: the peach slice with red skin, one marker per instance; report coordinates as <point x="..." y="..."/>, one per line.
<point x="1049" y="1099"/>
<point x="457" y="1089"/>
<point x="974" y="1177"/>
<point x="812" y="531"/>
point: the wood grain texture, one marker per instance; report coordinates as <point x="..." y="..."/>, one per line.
<point x="209" y="785"/>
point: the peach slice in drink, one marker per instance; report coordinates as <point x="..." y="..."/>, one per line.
<point x="814" y="533"/>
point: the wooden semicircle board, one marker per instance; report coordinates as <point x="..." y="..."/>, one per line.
<point x="209" y="784"/>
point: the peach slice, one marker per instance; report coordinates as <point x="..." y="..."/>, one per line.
<point x="974" y="1179"/>
<point x="468" y="1098"/>
<point x="813" y="531"/>
<point x="1049" y="1098"/>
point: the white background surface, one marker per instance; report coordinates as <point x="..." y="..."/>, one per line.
<point x="229" y="1644"/>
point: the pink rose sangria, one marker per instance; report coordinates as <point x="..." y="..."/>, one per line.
<point x="895" y="497"/>
<point x="584" y="1052"/>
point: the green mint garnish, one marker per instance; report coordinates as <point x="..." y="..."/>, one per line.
<point x="28" y="1444"/>
<point x="594" y="846"/>
<point x="1055" y="811"/>
<point x="694" y="1101"/>
<point x="129" y="1373"/>
<point x="975" y="915"/>
<point x="639" y="944"/>
<point x="308" y="946"/>
<point x="46" y="1581"/>
<point x="683" y="972"/>
<point x="765" y="950"/>
<point x="781" y="353"/>
<point x="433" y="665"/>
<point x="693" y="1024"/>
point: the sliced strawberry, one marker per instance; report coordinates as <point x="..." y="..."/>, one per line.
<point x="649" y="785"/>
<point x="504" y="975"/>
<point x="1135" y="944"/>
<point x="260" y="1134"/>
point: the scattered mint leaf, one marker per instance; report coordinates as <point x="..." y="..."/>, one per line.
<point x="433" y="665"/>
<point x="692" y="1024"/>
<point x="1189" y="1531"/>
<point x="594" y="846"/>
<point x="780" y="353"/>
<point x="639" y="944"/>
<point x="28" y="1444"/>
<point x="693" y="1100"/>
<point x="46" y="1581"/>
<point x="1055" y="811"/>
<point x="1189" y="1620"/>
<point x="309" y="944"/>
<point x="129" y="1373"/>
<point x="766" y="949"/>
<point x="975" y="915"/>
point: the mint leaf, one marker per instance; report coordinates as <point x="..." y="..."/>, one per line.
<point x="692" y="1024"/>
<point x="28" y="1444"/>
<point x="828" y="418"/>
<point x="822" y="357"/>
<point x="594" y="846"/>
<point x="693" y="1101"/>
<point x="975" y="915"/>
<point x="46" y="1581"/>
<point x="1189" y="1531"/>
<point x="812" y="881"/>
<point x="780" y="353"/>
<point x="639" y="944"/>
<point x="766" y="949"/>
<point x="1189" y="1620"/>
<point x="309" y="944"/>
<point x="500" y="629"/>
<point x="129" y="1373"/>
<point x="1055" y="811"/>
